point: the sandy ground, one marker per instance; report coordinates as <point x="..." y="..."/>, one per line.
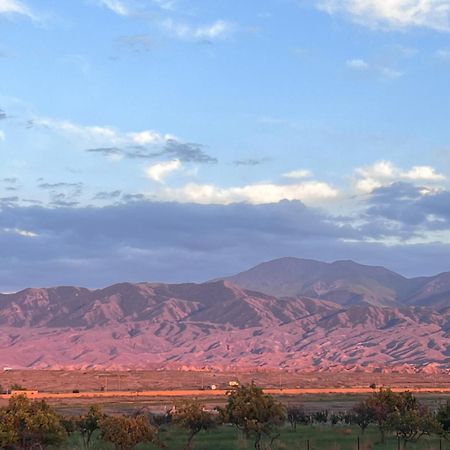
<point x="213" y="393"/>
<point x="66" y="381"/>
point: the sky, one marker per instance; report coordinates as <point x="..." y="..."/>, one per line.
<point x="184" y="140"/>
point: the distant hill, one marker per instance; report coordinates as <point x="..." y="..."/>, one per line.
<point x="220" y="324"/>
<point x="344" y="282"/>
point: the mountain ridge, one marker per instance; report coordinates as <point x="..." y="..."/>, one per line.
<point x="357" y="318"/>
<point x="344" y="282"/>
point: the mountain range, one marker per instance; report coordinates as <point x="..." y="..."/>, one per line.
<point x="290" y="313"/>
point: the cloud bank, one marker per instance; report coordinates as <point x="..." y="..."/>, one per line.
<point x="393" y="14"/>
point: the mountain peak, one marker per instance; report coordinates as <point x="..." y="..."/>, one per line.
<point x="344" y="281"/>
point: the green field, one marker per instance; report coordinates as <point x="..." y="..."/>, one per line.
<point x="320" y="438"/>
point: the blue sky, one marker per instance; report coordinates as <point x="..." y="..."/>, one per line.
<point x="332" y="115"/>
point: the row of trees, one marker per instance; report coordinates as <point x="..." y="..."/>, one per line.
<point x="398" y="413"/>
<point x="29" y="425"/>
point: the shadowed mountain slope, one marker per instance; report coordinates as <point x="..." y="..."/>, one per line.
<point x="344" y="282"/>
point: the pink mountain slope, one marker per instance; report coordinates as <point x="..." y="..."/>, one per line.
<point x="217" y="324"/>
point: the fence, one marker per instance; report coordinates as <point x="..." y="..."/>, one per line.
<point x="360" y="445"/>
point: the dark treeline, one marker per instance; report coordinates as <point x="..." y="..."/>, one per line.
<point x="29" y="424"/>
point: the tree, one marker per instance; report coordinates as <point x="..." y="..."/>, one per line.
<point x="362" y="415"/>
<point x="69" y="424"/>
<point x="383" y="404"/>
<point x="253" y="412"/>
<point x="8" y="434"/>
<point x="30" y="424"/>
<point x="193" y="416"/>
<point x="443" y="416"/>
<point x="126" y="432"/>
<point x="17" y="387"/>
<point x="296" y="415"/>
<point x="321" y="416"/>
<point x="411" y="420"/>
<point x="335" y="418"/>
<point x="87" y="424"/>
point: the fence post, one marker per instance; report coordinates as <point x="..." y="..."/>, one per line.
<point x="440" y="443"/>
<point x="307" y="442"/>
<point x="398" y="443"/>
<point x="358" y="443"/>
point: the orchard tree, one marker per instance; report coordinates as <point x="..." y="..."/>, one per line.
<point x="383" y="404"/>
<point x="411" y="420"/>
<point x="335" y="418"/>
<point x="69" y="424"/>
<point x="321" y="416"/>
<point x="30" y="424"/>
<point x="127" y="432"/>
<point x="296" y="415"/>
<point x="362" y="415"/>
<point x="193" y="416"/>
<point x="8" y="434"/>
<point x="443" y="416"/>
<point x="89" y="423"/>
<point x="253" y="412"/>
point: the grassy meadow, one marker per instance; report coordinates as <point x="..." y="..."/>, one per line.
<point x="320" y="438"/>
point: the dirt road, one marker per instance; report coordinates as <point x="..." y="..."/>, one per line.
<point x="218" y="393"/>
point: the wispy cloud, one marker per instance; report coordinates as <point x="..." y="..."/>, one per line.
<point x="361" y="65"/>
<point x="219" y="29"/>
<point x="169" y="5"/>
<point x="119" y="7"/>
<point x="115" y="144"/>
<point x="107" y="195"/>
<point x="358" y="64"/>
<point x="392" y="14"/>
<point x="297" y="174"/>
<point x="443" y="54"/>
<point x="16" y="7"/>
<point x="137" y="43"/>
<point x="20" y="232"/>
<point x="249" y="162"/>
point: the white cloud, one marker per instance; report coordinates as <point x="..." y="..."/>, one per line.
<point x="15" y="7"/>
<point x="384" y="173"/>
<point x="363" y="66"/>
<point x="158" y="172"/>
<point x="443" y="54"/>
<point x="117" y="6"/>
<point x="393" y="14"/>
<point x="96" y="135"/>
<point x="425" y="173"/>
<point x="358" y="64"/>
<point x="2" y="136"/>
<point x="149" y="137"/>
<point x="20" y="232"/>
<point x="217" y="30"/>
<point x="312" y="191"/>
<point x="169" y="5"/>
<point x="295" y="174"/>
<point x="388" y="72"/>
<point x="86" y="132"/>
